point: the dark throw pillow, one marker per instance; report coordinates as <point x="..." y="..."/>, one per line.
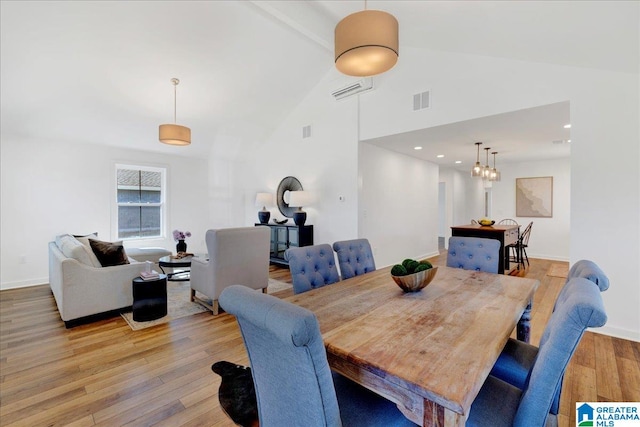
<point x="109" y="254"/>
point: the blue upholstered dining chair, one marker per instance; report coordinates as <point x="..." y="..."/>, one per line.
<point x="474" y="253"/>
<point x="354" y="257"/>
<point x="517" y="357"/>
<point x="502" y="404"/>
<point x="294" y="385"/>
<point x="311" y="267"/>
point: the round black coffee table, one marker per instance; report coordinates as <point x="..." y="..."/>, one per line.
<point x="174" y="264"/>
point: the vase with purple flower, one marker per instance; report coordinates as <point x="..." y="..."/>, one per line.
<point x="180" y="237"/>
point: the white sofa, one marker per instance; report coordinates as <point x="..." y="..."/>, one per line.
<point x="83" y="289"/>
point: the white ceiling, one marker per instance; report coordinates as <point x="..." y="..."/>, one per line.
<point x="99" y="72"/>
<point x="526" y="135"/>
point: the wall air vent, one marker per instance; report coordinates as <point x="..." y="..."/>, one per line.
<point x="421" y="100"/>
<point x="360" y="86"/>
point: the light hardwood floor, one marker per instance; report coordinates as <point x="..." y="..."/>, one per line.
<point x="106" y="374"/>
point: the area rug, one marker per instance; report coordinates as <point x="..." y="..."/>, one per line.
<point x="558" y="270"/>
<point x="179" y="305"/>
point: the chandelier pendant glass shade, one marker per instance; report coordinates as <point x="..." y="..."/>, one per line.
<point x="494" y="174"/>
<point x="477" y="168"/>
<point x="486" y="169"/>
<point x="174" y="134"/>
<point x="366" y="43"/>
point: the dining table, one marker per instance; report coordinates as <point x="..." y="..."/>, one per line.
<point x="428" y="351"/>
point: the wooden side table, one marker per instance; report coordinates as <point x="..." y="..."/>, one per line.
<point x="149" y="298"/>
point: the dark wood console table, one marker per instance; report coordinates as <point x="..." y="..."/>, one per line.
<point x="284" y="236"/>
<point x="506" y="234"/>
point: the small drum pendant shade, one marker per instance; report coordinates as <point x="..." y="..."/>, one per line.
<point x="175" y="134"/>
<point x="366" y="43"/>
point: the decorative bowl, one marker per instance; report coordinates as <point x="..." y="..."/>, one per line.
<point x="416" y="281"/>
<point x="486" y="223"/>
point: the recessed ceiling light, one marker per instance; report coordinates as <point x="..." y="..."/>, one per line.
<point x="458" y="162"/>
<point x="440" y="156"/>
<point x="568" y="140"/>
<point x="567" y="126"/>
<point x="417" y="148"/>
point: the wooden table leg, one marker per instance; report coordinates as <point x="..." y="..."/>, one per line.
<point x="439" y="416"/>
<point x="523" y="332"/>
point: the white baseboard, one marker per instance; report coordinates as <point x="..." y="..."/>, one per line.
<point x="23" y="283"/>
<point x="625" y="334"/>
<point x="549" y="257"/>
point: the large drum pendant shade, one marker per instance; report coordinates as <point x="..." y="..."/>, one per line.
<point x="366" y="43"/>
<point x="175" y="134"/>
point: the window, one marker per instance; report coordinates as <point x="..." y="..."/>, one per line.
<point x="140" y="195"/>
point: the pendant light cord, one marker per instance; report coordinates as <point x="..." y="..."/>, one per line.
<point x="175" y="82"/>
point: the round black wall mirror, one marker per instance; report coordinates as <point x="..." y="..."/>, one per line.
<point x="289" y="183"/>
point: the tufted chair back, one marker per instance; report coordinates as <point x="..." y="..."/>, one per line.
<point x="589" y="270"/>
<point x="355" y="257"/>
<point x="311" y="267"/>
<point x="579" y="307"/>
<point x="291" y="374"/>
<point x="474" y="253"/>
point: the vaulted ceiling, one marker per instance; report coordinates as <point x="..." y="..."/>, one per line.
<point x="99" y="72"/>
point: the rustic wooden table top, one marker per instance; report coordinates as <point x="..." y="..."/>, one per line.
<point x="430" y="351"/>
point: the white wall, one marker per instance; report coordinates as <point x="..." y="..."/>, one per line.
<point x="398" y="205"/>
<point x="464" y="201"/>
<point x="605" y="181"/>
<point x="325" y="164"/>
<point x="550" y="237"/>
<point x="50" y="188"/>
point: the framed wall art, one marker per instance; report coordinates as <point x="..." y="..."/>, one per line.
<point x="534" y="197"/>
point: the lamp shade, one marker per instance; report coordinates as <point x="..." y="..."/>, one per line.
<point x="366" y="43"/>
<point x="264" y="199"/>
<point x="173" y="134"/>
<point x="299" y="199"/>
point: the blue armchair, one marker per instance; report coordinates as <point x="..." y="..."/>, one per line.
<point x="501" y="404"/>
<point x="473" y="253"/>
<point x="294" y="385"/>
<point x="311" y="267"/>
<point x="354" y="257"/>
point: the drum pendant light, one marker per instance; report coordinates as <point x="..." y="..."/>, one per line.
<point x="174" y="134"/>
<point x="366" y="43"/>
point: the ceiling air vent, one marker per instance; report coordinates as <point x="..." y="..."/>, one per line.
<point x="351" y="89"/>
<point x="421" y="101"/>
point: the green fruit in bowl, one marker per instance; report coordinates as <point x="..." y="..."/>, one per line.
<point x="427" y="263"/>
<point x="398" y="270"/>
<point x="406" y="261"/>
<point x="421" y="267"/>
<point x="411" y="266"/>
